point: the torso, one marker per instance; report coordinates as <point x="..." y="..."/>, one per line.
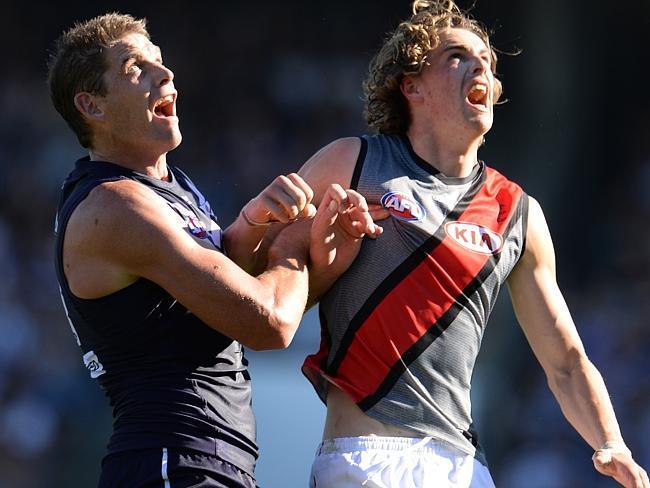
<point x="345" y="419"/>
<point x="172" y="380"/>
<point x="403" y="326"/>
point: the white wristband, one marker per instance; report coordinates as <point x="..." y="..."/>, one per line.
<point x="611" y="447"/>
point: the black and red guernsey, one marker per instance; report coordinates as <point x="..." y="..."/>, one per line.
<point x="401" y="329"/>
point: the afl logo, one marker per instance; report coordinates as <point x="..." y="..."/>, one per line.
<point x="403" y="207"/>
<point x="475" y="237"/>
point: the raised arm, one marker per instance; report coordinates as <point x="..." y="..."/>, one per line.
<point x="573" y="379"/>
<point x="286" y="199"/>
<point x="124" y="231"/>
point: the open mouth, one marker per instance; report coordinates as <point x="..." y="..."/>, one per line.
<point x="478" y="96"/>
<point x="165" y="106"/>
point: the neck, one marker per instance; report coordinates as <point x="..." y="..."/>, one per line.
<point x="450" y="156"/>
<point x="154" y="166"/>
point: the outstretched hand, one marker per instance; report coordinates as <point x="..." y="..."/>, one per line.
<point x="618" y="464"/>
<point x="342" y="220"/>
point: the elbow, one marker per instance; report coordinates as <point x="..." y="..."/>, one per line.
<point x="276" y="332"/>
<point x="274" y="320"/>
<point x="269" y="344"/>
<point x="561" y="377"/>
<point x="270" y="340"/>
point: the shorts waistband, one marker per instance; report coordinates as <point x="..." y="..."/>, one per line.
<point x="377" y="443"/>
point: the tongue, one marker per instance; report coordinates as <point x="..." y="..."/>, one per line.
<point x="475" y="96"/>
<point x="161" y="110"/>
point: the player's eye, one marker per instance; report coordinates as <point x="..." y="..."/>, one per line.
<point x="134" y="68"/>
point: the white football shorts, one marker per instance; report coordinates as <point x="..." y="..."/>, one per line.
<point x="395" y="462"/>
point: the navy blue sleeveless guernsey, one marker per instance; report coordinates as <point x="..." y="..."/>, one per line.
<point x="172" y="381"/>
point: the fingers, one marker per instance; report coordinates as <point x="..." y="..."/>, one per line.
<point x="352" y="209"/>
<point x="308" y="212"/>
<point x="336" y="193"/>
<point x="362" y="219"/>
<point x="356" y="200"/>
<point x="302" y="194"/>
<point x="292" y="195"/>
<point x="328" y="210"/>
<point x="643" y="481"/>
<point x="289" y="197"/>
<point x="378" y="212"/>
<point x="621" y="467"/>
<point x="284" y="200"/>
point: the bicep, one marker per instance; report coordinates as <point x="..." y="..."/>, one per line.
<point x="143" y="237"/>
<point x="538" y="302"/>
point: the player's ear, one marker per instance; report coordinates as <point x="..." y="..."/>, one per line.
<point x="410" y="88"/>
<point x="90" y="106"/>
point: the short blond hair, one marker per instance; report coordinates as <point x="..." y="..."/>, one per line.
<point x="79" y="63"/>
<point x="404" y="52"/>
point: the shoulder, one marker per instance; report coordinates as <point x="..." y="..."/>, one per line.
<point x="495" y="177"/>
<point x="334" y="163"/>
<point x="536" y="220"/>
<point x="539" y="245"/>
<point x="117" y="210"/>
<point x="121" y="198"/>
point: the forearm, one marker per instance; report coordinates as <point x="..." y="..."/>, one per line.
<point x="243" y="244"/>
<point x="288" y="278"/>
<point x="584" y="401"/>
<point x="319" y="283"/>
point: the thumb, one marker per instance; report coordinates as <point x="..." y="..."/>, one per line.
<point x="309" y="211"/>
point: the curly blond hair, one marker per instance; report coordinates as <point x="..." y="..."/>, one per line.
<point x="404" y="52"/>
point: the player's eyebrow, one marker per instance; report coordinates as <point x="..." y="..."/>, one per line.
<point x="463" y="47"/>
<point x="129" y="52"/>
<point x="450" y="47"/>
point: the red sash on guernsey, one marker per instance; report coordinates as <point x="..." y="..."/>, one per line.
<point x="415" y="305"/>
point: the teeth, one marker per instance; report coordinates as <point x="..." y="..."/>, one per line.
<point x="477" y="93"/>
<point x="165" y="100"/>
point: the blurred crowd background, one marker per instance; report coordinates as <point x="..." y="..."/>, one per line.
<point x="262" y="86"/>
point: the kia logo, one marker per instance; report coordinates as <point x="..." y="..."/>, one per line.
<point x="475" y="237"/>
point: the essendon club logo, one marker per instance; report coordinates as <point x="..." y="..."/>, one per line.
<point x="403" y="207"/>
<point x="475" y="237"/>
